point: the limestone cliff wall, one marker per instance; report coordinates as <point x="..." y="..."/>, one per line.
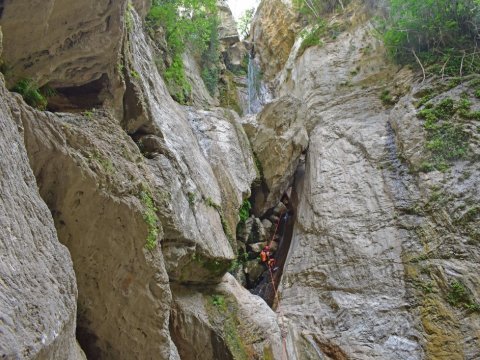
<point x="376" y="252"/>
<point x="144" y="193"/>
<point x="273" y="33"/>
<point x="38" y="291"/>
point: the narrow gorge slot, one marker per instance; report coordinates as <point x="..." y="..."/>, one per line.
<point x="273" y="228"/>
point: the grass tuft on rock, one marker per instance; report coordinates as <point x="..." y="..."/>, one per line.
<point x="150" y="217"/>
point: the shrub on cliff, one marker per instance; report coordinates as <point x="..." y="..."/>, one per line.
<point x="33" y="94"/>
<point x="440" y="35"/>
<point x="187" y="23"/>
<point x="314" y="9"/>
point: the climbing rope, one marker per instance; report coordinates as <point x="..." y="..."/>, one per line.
<point x="282" y="325"/>
<point x="277" y="297"/>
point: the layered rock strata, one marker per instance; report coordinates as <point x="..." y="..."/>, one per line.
<point x="38" y="291"/>
<point x="368" y="276"/>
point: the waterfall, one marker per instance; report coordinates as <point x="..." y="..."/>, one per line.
<point x="258" y="93"/>
<point x="252" y="91"/>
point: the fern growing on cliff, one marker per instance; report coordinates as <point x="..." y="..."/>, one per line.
<point x="32" y="93"/>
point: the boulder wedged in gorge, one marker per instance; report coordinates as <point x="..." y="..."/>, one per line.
<point x="38" y="290"/>
<point x="278" y="136"/>
<point x="227" y="30"/>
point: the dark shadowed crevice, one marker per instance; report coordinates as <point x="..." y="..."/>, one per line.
<point x="78" y="98"/>
<point x="283" y="221"/>
<point x="87" y="340"/>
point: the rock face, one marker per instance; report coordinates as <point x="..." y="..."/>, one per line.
<point x="196" y="246"/>
<point x="223" y="142"/>
<point x="227" y="31"/>
<point x="370" y="274"/>
<point x="64" y="43"/>
<point x="145" y="195"/>
<point x="226" y="322"/>
<point x="273" y="34"/>
<point x="141" y="195"/>
<point x="346" y="257"/>
<point x="37" y="284"/>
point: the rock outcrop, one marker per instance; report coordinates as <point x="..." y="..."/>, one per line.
<point x="279" y="136"/>
<point x="274" y="28"/>
<point x="38" y="290"/>
<point x="368" y="274"/>
<point x="224" y="322"/>
<point x="227" y="31"/>
<point x="143" y="196"/>
<point x="66" y="44"/>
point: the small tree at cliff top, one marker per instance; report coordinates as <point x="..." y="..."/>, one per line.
<point x="314" y="9"/>
<point x="442" y="34"/>
<point x="186" y="23"/>
<point x="245" y="22"/>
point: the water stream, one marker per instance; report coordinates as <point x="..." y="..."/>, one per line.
<point x="258" y="93"/>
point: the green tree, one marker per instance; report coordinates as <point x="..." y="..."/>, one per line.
<point x="187" y="23"/>
<point x="245" y="22"/>
<point x="434" y="32"/>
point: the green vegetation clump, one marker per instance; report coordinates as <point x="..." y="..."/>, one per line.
<point x="459" y="296"/>
<point x="314" y="9"/>
<point x="187" y="24"/>
<point x="129" y="17"/>
<point x="210" y="59"/>
<point x="191" y="198"/>
<point x="219" y="302"/>
<point x="244" y="23"/>
<point x="258" y="168"/>
<point x="223" y="313"/>
<point x="244" y="211"/>
<point x="105" y="163"/>
<point x="215" y="267"/>
<point x="150" y="217"/>
<point x="228" y="94"/>
<point x="33" y="95"/>
<point x="313" y="38"/>
<point x="387" y="98"/>
<point x="438" y="35"/>
<point x="469" y="216"/>
<point x="446" y="138"/>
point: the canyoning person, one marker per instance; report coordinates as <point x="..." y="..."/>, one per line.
<point x="265" y="254"/>
<point x="271" y="263"/>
